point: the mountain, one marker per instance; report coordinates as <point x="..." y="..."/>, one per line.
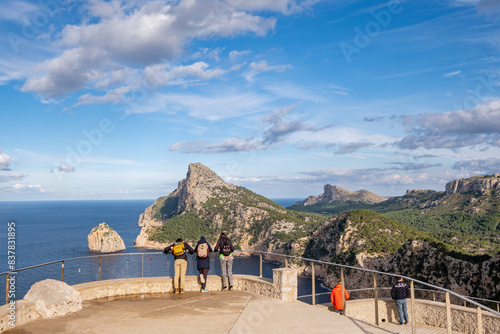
<point x="335" y="193"/>
<point x="203" y="204"/>
<point x="370" y="240"/>
<point x="466" y="214"/>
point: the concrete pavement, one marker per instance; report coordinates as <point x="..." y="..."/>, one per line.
<point x="210" y="312"/>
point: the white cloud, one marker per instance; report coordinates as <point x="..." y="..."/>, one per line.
<point x="23" y="189"/>
<point x="236" y="55"/>
<point x="283" y="6"/>
<point x="397" y="179"/>
<point x="155" y="32"/>
<point x="16" y="10"/>
<point x="262" y="66"/>
<point x="451" y="74"/>
<point x="164" y="74"/>
<point x="16" y="176"/>
<point x="66" y="168"/>
<point x="216" y="106"/>
<point x="277" y="129"/>
<point x="293" y="90"/>
<point x="4" y="161"/>
<point x="455" y="129"/>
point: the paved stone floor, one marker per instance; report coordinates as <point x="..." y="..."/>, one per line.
<point x="192" y="312"/>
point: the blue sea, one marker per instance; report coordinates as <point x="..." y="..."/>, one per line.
<point x="48" y="231"/>
<point x="54" y="230"/>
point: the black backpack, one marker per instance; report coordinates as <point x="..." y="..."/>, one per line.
<point x="226" y="249"/>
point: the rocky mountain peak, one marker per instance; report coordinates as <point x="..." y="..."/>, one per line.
<point x="200" y="184"/>
<point x="336" y="193"/>
<point x="199" y="174"/>
<point x="476" y="185"/>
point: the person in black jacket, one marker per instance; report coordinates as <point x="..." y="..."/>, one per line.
<point x="225" y="247"/>
<point x="203" y="263"/>
<point x="400" y="291"/>
<point x="178" y="250"/>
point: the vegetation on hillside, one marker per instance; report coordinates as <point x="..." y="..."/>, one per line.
<point x="188" y="226"/>
<point x="191" y="223"/>
<point x="465" y="223"/>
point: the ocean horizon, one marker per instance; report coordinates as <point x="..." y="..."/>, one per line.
<point x="54" y="230"/>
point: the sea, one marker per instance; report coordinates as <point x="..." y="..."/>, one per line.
<point x="46" y="231"/>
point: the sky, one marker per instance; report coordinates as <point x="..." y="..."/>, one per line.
<point x="114" y="99"/>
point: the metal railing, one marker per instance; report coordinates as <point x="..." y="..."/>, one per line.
<point x="314" y="282"/>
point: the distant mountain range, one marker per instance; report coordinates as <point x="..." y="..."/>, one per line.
<point x="456" y="229"/>
<point x="466" y="214"/>
<point x="334" y="193"/>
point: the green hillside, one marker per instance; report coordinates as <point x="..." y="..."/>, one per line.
<point x="470" y="222"/>
<point x="223" y="206"/>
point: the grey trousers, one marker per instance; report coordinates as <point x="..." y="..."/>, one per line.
<point x="226" y="265"/>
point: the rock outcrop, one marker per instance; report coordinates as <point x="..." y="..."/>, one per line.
<point x="213" y="205"/>
<point x="104" y="239"/>
<point x="54" y="298"/>
<point x="335" y="193"/>
<point x="475" y="185"/>
<point x="340" y="240"/>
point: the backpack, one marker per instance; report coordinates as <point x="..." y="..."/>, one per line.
<point x="226" y="250"/>
<point x="202" y="251"/>
<point x="178" y="249"/>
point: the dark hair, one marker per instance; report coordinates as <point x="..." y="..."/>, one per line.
<point x="222" y="234"/>
<point x="179" y="240"/>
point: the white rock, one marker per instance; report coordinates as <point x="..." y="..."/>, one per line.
<point x="104" y="239"/>
<point x="54" y="298"/>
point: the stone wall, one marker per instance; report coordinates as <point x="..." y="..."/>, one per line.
<point x="25" y="310"/>
<point x="428" y="313"/>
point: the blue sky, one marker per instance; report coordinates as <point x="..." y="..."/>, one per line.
<point x="113" y="99"/>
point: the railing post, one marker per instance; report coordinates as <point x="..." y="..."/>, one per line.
<point x="448" y="313"/>
<point x="260" y="264"/>
<point x="412" y="308"/>
<point x="375" y="290"/>
<point x="286" y="262"/>
<point x="313" y="279"/>
<point x="479" y="321"/>
<point x="99" y="268"/>
<point x="62" y="271"/>
<point x="343" y="287"/>
<point x="7" y="289"/>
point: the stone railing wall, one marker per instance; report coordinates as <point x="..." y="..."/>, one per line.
<point x="427" y="313"/>
<point x="283" y="286"/>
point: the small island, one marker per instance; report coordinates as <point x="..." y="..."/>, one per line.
<point x="104" y="239"/>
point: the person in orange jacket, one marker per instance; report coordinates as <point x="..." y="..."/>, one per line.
<point x="336" y="298"/>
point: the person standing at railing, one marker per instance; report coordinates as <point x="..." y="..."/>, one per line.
<point x="178" y="250"/>
<point x="336" y="298"/>
<point x="400" y="291"/>
<point x="225" y="248"/>
<point x="203" y="251"/>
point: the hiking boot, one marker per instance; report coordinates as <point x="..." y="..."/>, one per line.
<point x="175" y="291"/>
<point x="230" y="287"/>
<point x="204" y="290"/>
<point x="224" y="288"/>
<point x="202" y="279"/>
<point x="181" y="291"/>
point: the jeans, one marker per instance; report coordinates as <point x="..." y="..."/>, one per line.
<point x="204" y="272"/>
<point x="180" y="267"/>
<point x="402" y="310"/>
<point x="226" y="265"/>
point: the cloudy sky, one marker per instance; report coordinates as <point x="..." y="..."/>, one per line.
<point x="113" y="99"/>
